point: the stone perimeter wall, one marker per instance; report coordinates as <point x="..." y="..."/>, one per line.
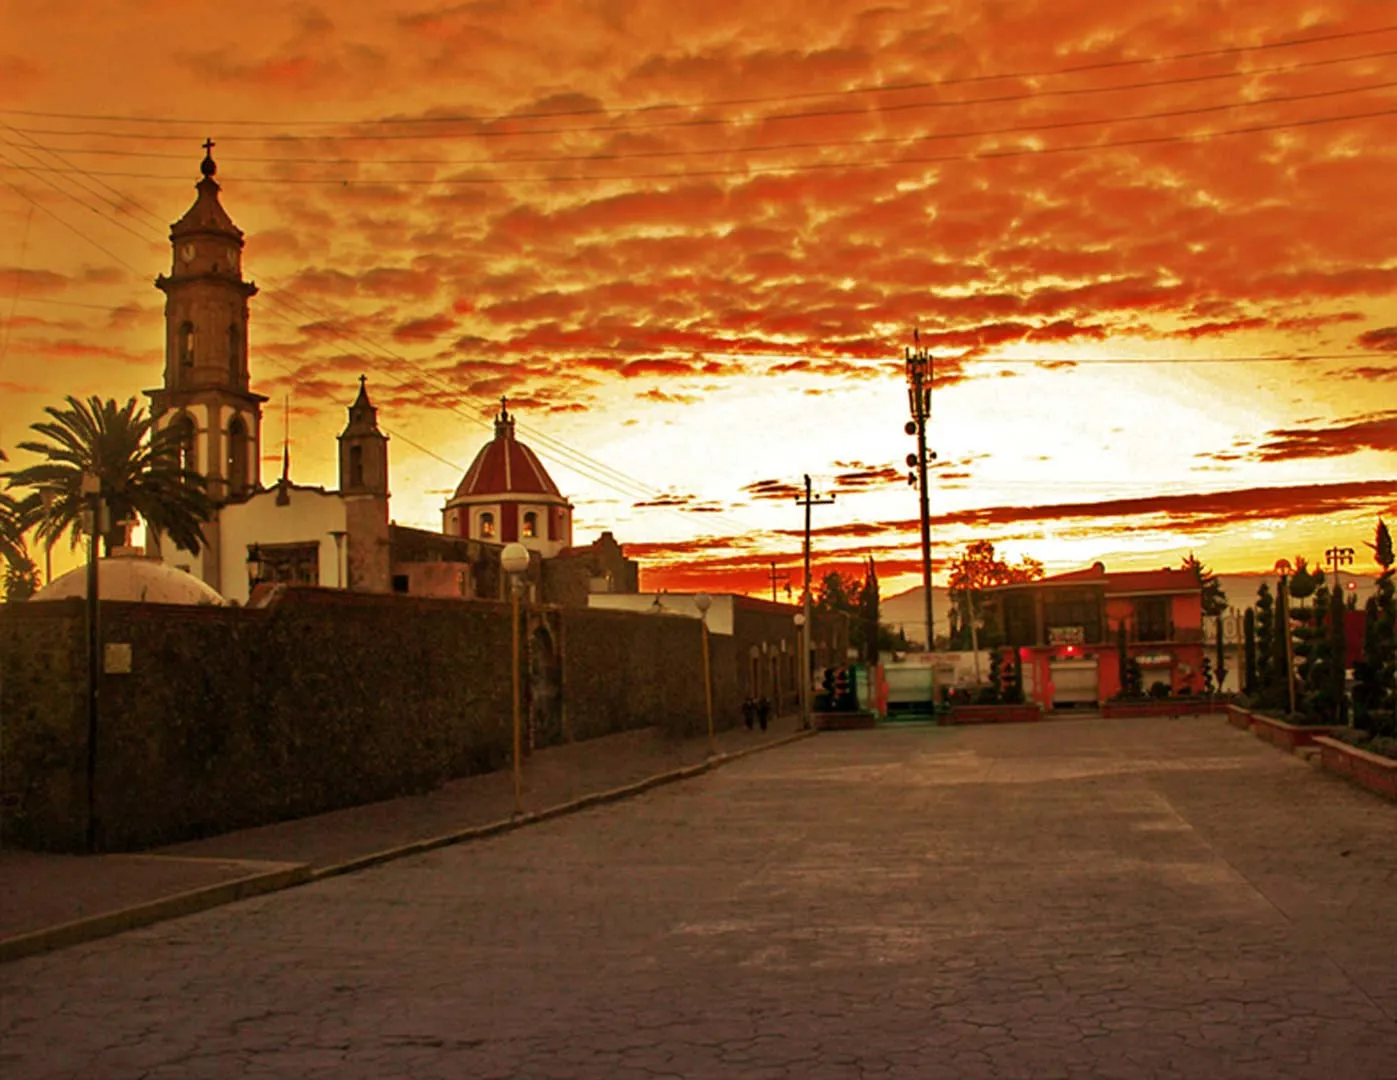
<point x="234" y="717"/>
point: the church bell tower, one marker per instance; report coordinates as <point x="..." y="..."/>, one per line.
<point x="206" y="395"/>
<point x="364" y="489"/>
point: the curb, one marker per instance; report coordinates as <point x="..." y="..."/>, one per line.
<point x="189" y="902"/>
<point x="289" y="875"/>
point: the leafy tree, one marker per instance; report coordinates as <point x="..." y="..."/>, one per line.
<point x="13" y="524"/>
<point x="1214" y="599"/>
<point x="139" y="469"/>
<point x="978" y="568"/>
<point x="21" y="579"/>
<point x="840" y="593"/>
<point x="1302" y="582"/>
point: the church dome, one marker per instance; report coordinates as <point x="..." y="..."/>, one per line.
<point x="505" y="466"/>
<point x="507" y="496"/>
<point x="133" y="578"/>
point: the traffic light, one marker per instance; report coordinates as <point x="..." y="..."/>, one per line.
<point x="842" y="684"/>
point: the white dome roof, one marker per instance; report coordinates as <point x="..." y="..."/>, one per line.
<point x="133" y="578"/>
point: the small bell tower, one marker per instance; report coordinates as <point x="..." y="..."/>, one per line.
<point x="364" y="489"/>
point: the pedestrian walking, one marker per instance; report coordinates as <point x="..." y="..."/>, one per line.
<point x="763" y="711"/>
<point x="749" y="711"/>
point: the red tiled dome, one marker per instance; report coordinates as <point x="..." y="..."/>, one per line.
<point x="506" y="466"/>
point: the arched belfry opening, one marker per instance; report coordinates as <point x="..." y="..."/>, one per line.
<point x="238" y="457"/>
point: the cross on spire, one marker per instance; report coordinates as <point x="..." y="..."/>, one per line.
<point x="207" y="166"/>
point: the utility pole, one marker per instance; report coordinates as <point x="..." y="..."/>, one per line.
<point x="920" y="372"/>
<point x="775" y="580"/>
<point x="809" y="628"/>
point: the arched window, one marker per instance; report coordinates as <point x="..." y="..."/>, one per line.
<point x="186" y="344"/>
<point x="356" y="466"/>
<point x="237" y="457"/>
<point x="235" y="351"/>
<point x="186" y="445"/>
<point x="487" y="525"/>
<point x="530" y="524"/>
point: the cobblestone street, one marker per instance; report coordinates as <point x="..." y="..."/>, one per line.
<point x="1085" y="898"/>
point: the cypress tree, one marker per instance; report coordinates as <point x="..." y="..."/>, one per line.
<point x="1249" y="651"/>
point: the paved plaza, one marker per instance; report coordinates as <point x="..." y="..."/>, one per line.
<point x="1085" y="898"/>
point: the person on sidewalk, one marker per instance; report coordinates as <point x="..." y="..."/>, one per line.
<point x="763" y="711"/>
<point x="749" y="711"/>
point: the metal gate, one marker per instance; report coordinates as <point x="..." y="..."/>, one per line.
<point x="1074" y="682"/>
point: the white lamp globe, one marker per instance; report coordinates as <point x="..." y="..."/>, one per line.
<point x="514" y="559"/>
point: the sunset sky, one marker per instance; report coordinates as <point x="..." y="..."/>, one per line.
<point x="1152" y="246"/>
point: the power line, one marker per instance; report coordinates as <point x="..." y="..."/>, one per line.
<point x="927" y="84"/>
<point x="827" y="166"/>
<point x="696" y="122"/>
<point x="641" y="155"/>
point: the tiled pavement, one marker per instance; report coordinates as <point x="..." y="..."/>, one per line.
<point x="41" y="891"/>
<point x="1105" y="899"/>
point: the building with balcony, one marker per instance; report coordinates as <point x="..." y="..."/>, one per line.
<point x="1067" y="630"/>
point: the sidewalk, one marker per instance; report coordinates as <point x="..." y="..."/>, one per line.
<point x="49" y="901"/>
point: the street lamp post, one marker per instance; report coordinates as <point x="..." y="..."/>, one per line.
<point x="92" y="520"/>
<point x="514" y="560"/>
<point x="1337" y="557"/>
<point x="703" y="602"/>
<point x="803" y="675"/>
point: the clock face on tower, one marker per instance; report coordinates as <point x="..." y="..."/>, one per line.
<point x="186" y="253"/>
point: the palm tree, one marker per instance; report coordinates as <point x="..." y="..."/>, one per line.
<point x="16" y="517"/>
<point x="139" y="468"/>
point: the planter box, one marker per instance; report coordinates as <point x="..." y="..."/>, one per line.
<point x="1373" y="771"/>
<point x="1287" y="736"/>
<point x="1238" y="717"/>
<point x="1162" y="707"/>
<point x="1028" y="712"/>
<point x="843" y="721"/>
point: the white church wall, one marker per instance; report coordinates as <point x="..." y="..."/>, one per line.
<point x="720" y="614"/>
<point x="311" y="516"/>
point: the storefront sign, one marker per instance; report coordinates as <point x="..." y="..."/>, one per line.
<point x="1067" y="635"/>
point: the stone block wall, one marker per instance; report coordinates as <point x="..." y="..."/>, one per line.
<point x="235" y="717"/>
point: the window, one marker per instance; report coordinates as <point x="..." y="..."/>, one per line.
<point x="1017" y="612"/>
<point x="356" y="466"/>
<point x="291" y="564"/>
<point x="1073" y="608"/>
<point x="530" y="524"/>
<point x="1152" y="618"/>
<point x="185" y="445"/>
<point x="401" y="583"/>
<point x="237" y="460"/>
<point x="487" y="524"/>
<point x="186" y="344"/>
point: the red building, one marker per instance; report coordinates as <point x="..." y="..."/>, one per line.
<point x="1065" y="628"/>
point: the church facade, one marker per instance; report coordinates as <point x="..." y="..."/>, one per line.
<point x="342" y="538"/>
